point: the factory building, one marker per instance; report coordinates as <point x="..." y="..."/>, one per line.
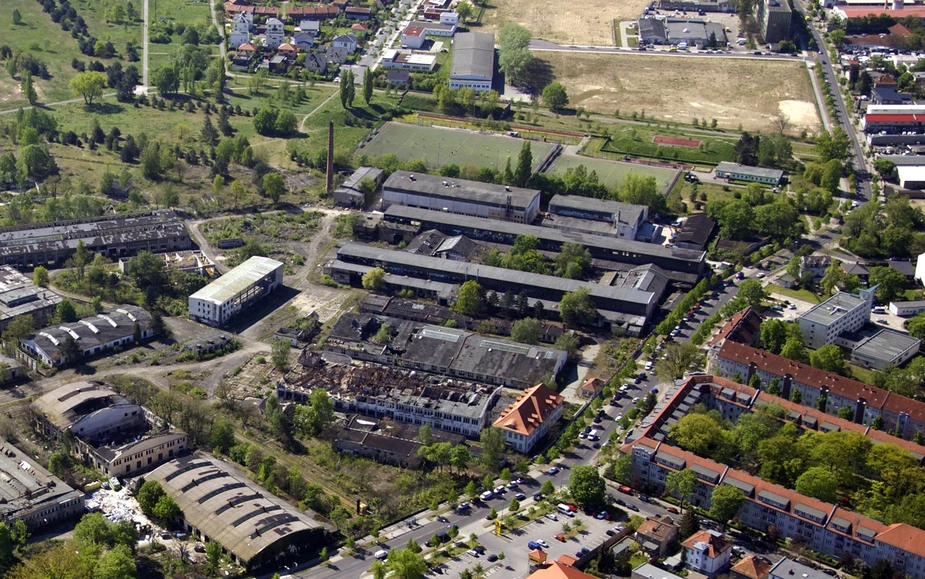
<point x="239" y="289"/>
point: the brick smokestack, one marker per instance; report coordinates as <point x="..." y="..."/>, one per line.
<point x="329" y="183"/>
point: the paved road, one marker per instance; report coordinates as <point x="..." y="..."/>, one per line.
<point x="144" y="44"/>
<point x="219" y="26"/>
<point x="841" y="114"/>
<point x="540" y="45"/>
<point x="708" y="306"/>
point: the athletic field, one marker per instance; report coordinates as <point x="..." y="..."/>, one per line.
<point x="610" y="173"/>
<point x="438" y="146"/>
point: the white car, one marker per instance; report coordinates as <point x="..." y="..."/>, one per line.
<point x="649" y="365"/>
<point x="543" y="543"/>
<point x="487" y="495"/>
<point x="552" y="516"/>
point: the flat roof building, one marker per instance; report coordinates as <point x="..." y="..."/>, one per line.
<point x="94" y="335"/>
<point x="788" y="569"/>
<point x="239" y="289"/>
<point x="111" y="236"/>
<point x="473" y="63"/>
<point x="19" y="296"/>
<point x="683" y="265"/>
<point x="736" y="172"/>
<point x="463" y="197"/>
<point x="350" y="195"/>
<point x="911" y="176"/>
<point x="885" y="348"/>
<point x="841" y="313"/>
<point x="30" y="493"/>
<point x="218" y="504"/>
<point x="441" y="350"/>
<point x="774" y="18"/>
<point x="909" y="308"/>
<point x="625" y="218"/>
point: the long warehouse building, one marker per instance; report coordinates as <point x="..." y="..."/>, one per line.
<point x="544" y="287"/>
<point x="253" y="527"/>
<point x="461" y="197"/>
<point x="111" y="236"/>
<point x="239" y="289"/>
<point x="674" y="261"/>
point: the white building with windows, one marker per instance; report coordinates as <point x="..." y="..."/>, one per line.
<point x="529" y="418"/>
<point x="220" y="301"/>
<point x="473" y="61"/>
<point x="276" y="33"/>
<point x="240" y="29"/>
<point x="843" y="312"/>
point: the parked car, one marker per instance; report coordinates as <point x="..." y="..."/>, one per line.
<point x="552" y="471"/>
<point x="552" y="516"/>
<point x="534" y="545"/>
<point x="559" y="537"/>
<point x="537" y="496"/>
<point x="492" y="558"/>
<point x="487" y="495"/>
<point x="520" y="496"/>
<point x="472" y="552"/>
<point x="673" y="510"/>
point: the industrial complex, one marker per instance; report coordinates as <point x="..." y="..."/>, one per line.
<point x="239" y="289"/>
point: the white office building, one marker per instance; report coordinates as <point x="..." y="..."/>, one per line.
<point x="841" y="313"/>
<point x="236" y="291"/>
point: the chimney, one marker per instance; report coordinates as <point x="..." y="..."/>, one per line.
<point x="329" y="183"/>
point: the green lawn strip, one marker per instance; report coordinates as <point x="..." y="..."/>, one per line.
<point x="94" y="13"/>
<point x="801" y="294"/>
<point x="865" y="375"/>
<point x="637" y="140"/>
<point x="611" y="173"/>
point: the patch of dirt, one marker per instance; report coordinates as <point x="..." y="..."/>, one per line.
<point x="735" y="92"/>
<point x="588" y="23"/>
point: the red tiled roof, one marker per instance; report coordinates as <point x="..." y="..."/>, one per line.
<point x="593" y="385"/>
<point x="861" y="11"/>
<point x="327" y="11"/>
<point x="881" y="118"/>
<point x="716" y="546"/>
<point x="742" y="327"/>
<point x="899" y="30"/>
<point x="232" y="7"/>
<point x="414" y="31"/>
<point x="266" y="10"/>
<point x="753" y="567"/>
<point x="358" y="26"/>
<point x="247" y="47"/>
<point x="558" y="570"/>
<point x="529" y="411"/>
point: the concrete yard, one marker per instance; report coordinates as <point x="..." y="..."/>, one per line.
<point x="671" y="88"/>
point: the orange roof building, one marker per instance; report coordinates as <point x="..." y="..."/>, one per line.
<point x="247" y="47"/>
<point x="707" y="552"/>
<point x="592" y="387"/>
<point x="530" y="417"/>
<point x="751" y="567"/>
<point x="558" y="570"/>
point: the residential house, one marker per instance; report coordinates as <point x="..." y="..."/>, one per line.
<point x="751" y="567"/>
<point x="359" y="29"/>
<point x="288" y="50"/>
<point x="303" y="41"/>
<point x="240" y="29"/>
<point x="311" y="27"/>
<point x="652" y="30"/>
<point x="556" y="569"/>
<point x="345" y="41"/>
<point x="244" y="57"/>
<point x="856" y="268"/>
<point x="337" y="54"/>
<point x="279" y="64"/>
<point x="530" y="417"/>
<point x="413" y="37"/>
<point x="358" y="13"/>
<point x="398" y="77"/>
<point x="316" y="62"/>
<point x="275" y="34"/>
<point x="657" y="535"/>
<point x="744" y="327"/>
<point x="814" y="264"/>
<point x="907" y="268"/>
<point x="707" y="552"/>
<point x="591" y="388"/>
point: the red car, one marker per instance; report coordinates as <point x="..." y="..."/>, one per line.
<point x="672" y="510"/>
<point x="559" y="537"/>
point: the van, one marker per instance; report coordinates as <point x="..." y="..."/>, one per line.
<point x="682" y="46"/>
<point x="565" y="510"/>
<point x="381" y="554"/>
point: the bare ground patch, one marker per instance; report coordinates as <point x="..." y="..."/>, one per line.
<point x="750" y="93"/>
<point x="588" y="22"/>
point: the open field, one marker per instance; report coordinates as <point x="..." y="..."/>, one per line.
<point x="611" y="172"/>
<point x="589" y="22"/>
<point x="437" y="146"/>
<point x="681" y="89"/>
<point x="637" y="140"/>
<point x="94" y="13"/>
<point x="44" y="39"/>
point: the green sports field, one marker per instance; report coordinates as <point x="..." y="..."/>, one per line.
<point x="611" y="173"/>
<point x="438" y="146"/>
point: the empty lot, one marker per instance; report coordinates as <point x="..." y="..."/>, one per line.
<point x="747" y="92"/>
<point x="587" y="23"/>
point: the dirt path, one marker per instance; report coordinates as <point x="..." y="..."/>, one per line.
<point x="315" y="110"/>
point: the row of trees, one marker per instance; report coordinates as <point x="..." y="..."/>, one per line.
<point x="573" y="261"/>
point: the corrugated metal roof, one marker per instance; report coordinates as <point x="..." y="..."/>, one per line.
<point x="237" y="280"/>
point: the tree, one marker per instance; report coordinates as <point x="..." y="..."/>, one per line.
<point x="117" y="563"/>
<point x="6" y="545"/>
<point x="213" y="556"/>
<point x="829" y="358"/>
<point x="725" y="502"/>
<point x="273" y="186"/>
<point x="280" y="354"/>
<point x="492" y="441"/>
<point x="286" y="123"/>
<point x="682" y="483"/>
<point x="526" y="331"/>
<point x="548" y="489"/>
<point x="89" y="85"/>
<point x="65" y="311"/>
<point x="313" y="417"/>
<point x="818" y="482"/>
<point x="587" y="486"/>
<point x="524" y="166"/>
<point x="623" y="469"/>
<point x="884" y="168"/>
<point x="752" y="291"/>
<point x="28" y="90"/>
<point x="916" y="326"/>
<point x="833" y="276"/>
<point x="577" y="309"/>
<point x="514" y="57"/>
<point x="795" y="350"/>
<point x="555" y="96"/>
<point x="464" y="9"/>
<point x="167" y="79"/>
<point x="688" y="524"/>
<point x="702" y="435"/>
<point x="373" y="279"/>
<point x="368" y="82"/>
<point x="568" y="343"/>
<point x="166" y="510"/>
<point x="40" y="276"/>
<point x="222" y="437"/>
<point x="470" y="300"/>
<point x="17" y="17"/>
<point x="773" y="334"/>
<point x="833" y="146"/>
<point x="891" y="283"/>
<point x="406" y="564"/>
<point x="677" y="359"/>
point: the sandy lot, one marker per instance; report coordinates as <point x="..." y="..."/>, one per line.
<point x="588" y="23"/>
<point x="733" y="91"/>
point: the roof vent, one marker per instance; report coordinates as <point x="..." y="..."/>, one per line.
<point x="411" y="177"/>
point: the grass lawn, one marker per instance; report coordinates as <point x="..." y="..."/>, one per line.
<point x="639" y="140"/>
<point x="94" y="13"/>
<point x="801" y="294"/>
<point x="45" y="40"/>
<point x="437" y="146"/>
<point x="865" y="375"/>
<point x="681" y="192"/>
<point x="912" y="294"/>
<point x="638" y="559"/>
<point x="611" y="173"/>
<point x="186" y="11"/>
